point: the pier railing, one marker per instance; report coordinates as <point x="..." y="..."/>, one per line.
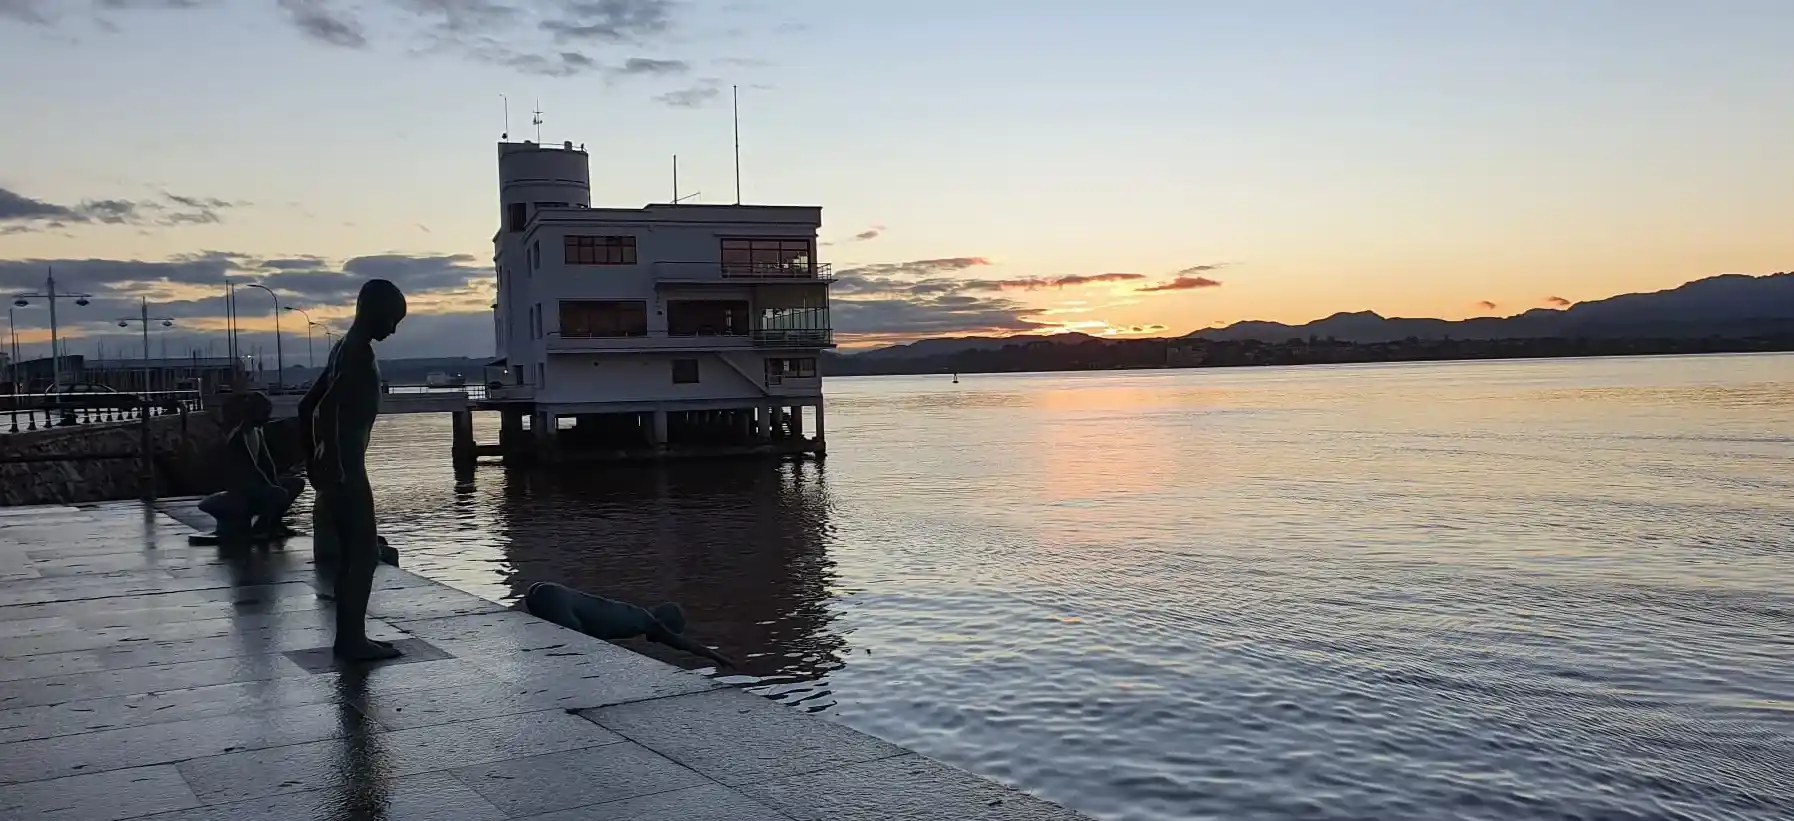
<point x="21" y="412"/>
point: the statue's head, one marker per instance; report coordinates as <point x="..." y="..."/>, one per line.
<point x="257" y="408"/>
<point x="379" y="308"/>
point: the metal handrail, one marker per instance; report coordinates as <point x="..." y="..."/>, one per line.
<point x="78" y="409"/>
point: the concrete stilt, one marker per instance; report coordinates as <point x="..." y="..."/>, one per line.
<point x="660" y="429"/>
<point x="464" y="450"/>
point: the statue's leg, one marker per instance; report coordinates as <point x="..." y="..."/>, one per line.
<point x="359" y="555"/>
<point x="325" y="550"/>
<point x="266" y="504"/>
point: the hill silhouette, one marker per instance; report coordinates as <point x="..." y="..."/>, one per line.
<point x="1725" y="305"/>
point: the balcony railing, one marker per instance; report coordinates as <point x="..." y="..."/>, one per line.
<point x="815" y="270"/>
<point x="736" y="272"/>
<point x="794" y="337"/>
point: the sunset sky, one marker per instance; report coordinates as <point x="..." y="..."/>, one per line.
<point x="1128" y="167"/>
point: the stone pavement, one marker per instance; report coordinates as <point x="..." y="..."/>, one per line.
<point x="144" y="678"/>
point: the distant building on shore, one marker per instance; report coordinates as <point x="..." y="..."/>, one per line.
<point x="207" y="375"/>
<point x="669" y="327"/>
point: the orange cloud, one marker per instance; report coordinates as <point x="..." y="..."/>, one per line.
<point x="1182" y="283"/>
<point x="1486" y="305"/>
<point x="1037" y="283"/>
<point x="1558" y="302"/>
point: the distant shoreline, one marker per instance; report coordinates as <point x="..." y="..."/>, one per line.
<point x="1038" y="356"/>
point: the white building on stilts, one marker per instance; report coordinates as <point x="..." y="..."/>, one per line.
<point x="664" y="330"/>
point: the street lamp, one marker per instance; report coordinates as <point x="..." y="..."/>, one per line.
<point x="280" y="360"/>
<point x="311" y="359"/>
<point x="144" y="318"/>
<point x="50" y="295"/>
<point x="12" y="356"/>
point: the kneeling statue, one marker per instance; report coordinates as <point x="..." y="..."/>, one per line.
<point x="255" y="504"/>
<point x="609" y="619"/>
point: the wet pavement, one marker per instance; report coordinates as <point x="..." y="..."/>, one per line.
<point x="146" y="678"/>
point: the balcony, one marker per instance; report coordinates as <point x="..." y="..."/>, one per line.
<point x="716" y="273"/>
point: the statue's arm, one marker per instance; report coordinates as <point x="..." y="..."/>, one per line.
<point x="307" y="405"/>
<point x="679" y="642"/>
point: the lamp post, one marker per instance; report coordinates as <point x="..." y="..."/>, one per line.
<point x="311" y="359"/>
<point x="280" y="360"/>
<point x="50" y="295"/>
<point x="144" y="318"/>
<point x="12" y="354"/>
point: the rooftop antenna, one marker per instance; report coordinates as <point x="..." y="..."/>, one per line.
<point x="735" y="94"/>
<point x="675" y="178"/>
<point x="538" y="121"/>
<point x="507" y="133"/>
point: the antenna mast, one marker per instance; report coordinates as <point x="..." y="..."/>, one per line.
<point x="735" y="93"/>
<point x="507" y="132"/>
<point x="675" y="178"/>
<point x="538" y="121"/>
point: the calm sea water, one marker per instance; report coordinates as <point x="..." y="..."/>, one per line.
<point x="1545" y="589"/>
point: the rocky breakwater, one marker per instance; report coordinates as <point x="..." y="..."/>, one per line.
<point x="102" y="462"/>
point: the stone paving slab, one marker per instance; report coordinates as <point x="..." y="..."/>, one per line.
<point x="146" y="678"/>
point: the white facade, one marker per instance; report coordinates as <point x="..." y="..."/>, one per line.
<point x="665" y="308"/>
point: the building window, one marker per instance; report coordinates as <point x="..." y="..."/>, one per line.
<point x="685" y="371"/>
<point x="519" y="215"/>
<point x="707" y="317"/>
<point x="600" y="250"/>
<point x="792" y="368"/>
<point x="586" y="319"/>
<point x="769" y="256"/>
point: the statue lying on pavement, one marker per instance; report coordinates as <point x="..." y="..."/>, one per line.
<point x="608" y="619"/>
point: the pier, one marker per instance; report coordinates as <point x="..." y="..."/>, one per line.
<point x="625" y="432"/>
<point x="148" y="679"/>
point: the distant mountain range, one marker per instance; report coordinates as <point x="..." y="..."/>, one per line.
<point x="1729" y="305"/>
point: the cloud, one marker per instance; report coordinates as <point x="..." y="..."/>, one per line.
<point x="45" y="12"/>
<point x="643" y="65"/>
<point x="1037" y="283"/>
<point x="22" y="214"/>
<point x="1486" y="305"/>
<point x="319" y="20"/>
<point x="1558" y="302"/>
<point x="1182" y="283"/>
<point x="868" y="234"/>
<point x="694" y="97"/>
<point x="190" y="288"/>
<point x="615" y="21"/>
<point x="556" y="38"/>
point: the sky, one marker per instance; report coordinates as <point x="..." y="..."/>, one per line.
<point x="984" y="166"/>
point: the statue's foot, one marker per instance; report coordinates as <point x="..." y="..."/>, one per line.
<point x="365" y="650"/>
